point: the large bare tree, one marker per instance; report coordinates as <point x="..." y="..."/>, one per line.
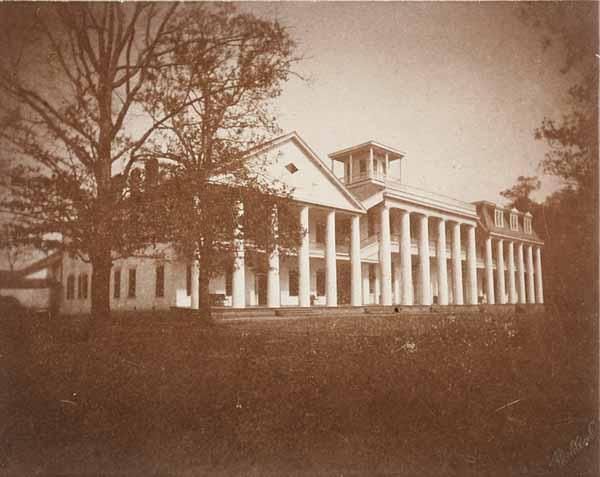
<point x="82" y="127"/>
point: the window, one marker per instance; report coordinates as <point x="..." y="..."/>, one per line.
<point x="132" y="283"/>
<point x="362" y="166"/>
<point x="370" y="224"/>
<point x="188" y="280"/>
<point x="84" y="286"/>
<point x="499" y="218"/>
<point x="78" y="286"/>
<point x="321" y="283"/>
<point x="70" y="287"/>
<point x="514" y="222"/>
<point x="160" y="281"/>
<point x="527" y="225"/>
<point x="320" y="233"/>
<point x="372" y="278"/>
<point x="293" y="283"/>
<point x="291" y="167"/>
<point x="117" y="284"/>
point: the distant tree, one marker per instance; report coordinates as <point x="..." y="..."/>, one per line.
<point x="570" y="214"/>
<point x="519" y="194"/>
<point x="219" y="189"/>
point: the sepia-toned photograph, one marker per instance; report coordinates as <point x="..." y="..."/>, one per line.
<point x="299" y="238"/>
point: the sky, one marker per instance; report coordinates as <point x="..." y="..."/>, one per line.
<point x="458" y="87"/>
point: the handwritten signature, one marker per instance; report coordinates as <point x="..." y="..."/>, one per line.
<point x="561" y="457"/>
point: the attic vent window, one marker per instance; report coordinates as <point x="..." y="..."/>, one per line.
<point x="291" y="167"/>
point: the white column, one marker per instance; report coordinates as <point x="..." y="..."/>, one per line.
<point x="330" y="259"/>
<point x="273" y="288"/>
<point x="356" y="295"/>
<point x="472" y="264"/>
<point x="521" y="274"/>
<point x="385" y="256"/>
<point x="405" y="259"/>
<point x="195" y="285"/>
<point x="370" y="169"/>
<point x="387" y="165"/>
<point x="238" y="279"/>
<point x="512" y="289"/>
<point x="489" y="271"/>
<point x="304" y="261"/>
<point x="539" y="286"/>
<point x="530" y="283"/>
<point x="442" y="265"/>
<point x="424" y="273"/>
<point x="500" y="291"/>
<point x="457" y="265"/>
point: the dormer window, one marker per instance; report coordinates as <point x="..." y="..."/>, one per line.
<point x="514" y="220"/>
<point x="527" y="224"/>
<point x="499" y="218"/>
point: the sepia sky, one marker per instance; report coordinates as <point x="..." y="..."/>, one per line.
<point x="459" y="87"/>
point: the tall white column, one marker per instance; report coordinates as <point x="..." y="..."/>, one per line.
<point x="500" y="291"/>
<point x="195" y="285"/>
<point x="238" y="279"/>
<point x="521" y="274"/>
<point x="442" y="264"/>
<point x="273" y="288"/>
<point x="472" y="264"/>
<point x="512" y="289"/>
<point x="539" y="285"/>
<point x="330" y="260"/>
<point x="355" y="277"/>
<point x="489" y="271"/>
<point x="405" y="259"/>
<point x="424" y="273"/>
<point x="350" y="170"/>
<point x="530" y="283"/>
<point x="304" y="261"/>
<point x="385" y="256"/>
<point x="370" y="165"/>
<point x="457" y="265"/>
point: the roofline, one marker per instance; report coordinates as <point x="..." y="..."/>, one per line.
<point x="40" y="264"/>
<point x="501" y="207"/>
<point x="348" y="150"/>
<point x="304" y="145"/>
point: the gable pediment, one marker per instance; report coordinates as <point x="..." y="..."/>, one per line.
<point x="290" y="162"/>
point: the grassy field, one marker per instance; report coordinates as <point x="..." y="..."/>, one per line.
<point x="321" y="396"/>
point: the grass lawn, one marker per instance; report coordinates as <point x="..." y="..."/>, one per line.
<point x="319" y="396"/>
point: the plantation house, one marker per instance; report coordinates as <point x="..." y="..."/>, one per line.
<point x="371" y="239"/>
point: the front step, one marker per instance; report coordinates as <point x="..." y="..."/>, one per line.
<point x="393" y="309"/>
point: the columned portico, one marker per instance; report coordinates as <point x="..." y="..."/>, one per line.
<point x="472" y="264"/>
<point x="424" y="271"/>
<point x="457" y="265"/>
<point x="330" y="257"/>
<point x="385" y="256"/>
<point x="530" y="283"/>
<point x="304" y="261"/>
<point x="512" y="289"/>
<point x="489" y="272"/>
<point x="539" y="287"/>
<point x="500" y="290"/>
<point x="405" y="259"/>
<point x="442" y="267"/>
<point x="521" y="274"/>
<point x="355" y="265"/>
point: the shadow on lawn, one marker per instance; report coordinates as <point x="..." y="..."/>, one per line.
<point x="511" y="395"/>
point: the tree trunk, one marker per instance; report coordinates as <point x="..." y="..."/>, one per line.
<point x="100" y="293"/>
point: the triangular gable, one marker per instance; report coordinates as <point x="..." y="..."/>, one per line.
<point x="290" y="161"/>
